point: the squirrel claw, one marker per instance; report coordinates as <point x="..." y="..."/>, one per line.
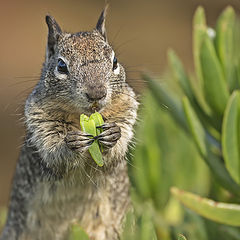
<point x="111" y="134"/>
<point x="108" y="144"/>
<point x="79" y="141"/>
<point x="107" y="125"/>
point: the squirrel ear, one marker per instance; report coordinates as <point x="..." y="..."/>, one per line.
<point x="101" y="22"/>
<point x="53" y="34"/>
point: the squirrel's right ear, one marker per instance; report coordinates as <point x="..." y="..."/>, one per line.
<point x="54" y="31"/>
<point x="101" y="22"/>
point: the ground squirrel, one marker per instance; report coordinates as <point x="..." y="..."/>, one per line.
<point x="56" y="182"/>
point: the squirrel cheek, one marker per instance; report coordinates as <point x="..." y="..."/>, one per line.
<point x="117" y="70"/>
<point x="59" y="76"/>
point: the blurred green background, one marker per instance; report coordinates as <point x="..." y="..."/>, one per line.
<point x="141" y="32"/>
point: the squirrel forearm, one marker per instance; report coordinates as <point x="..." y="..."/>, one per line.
<point x="48" y="137"/>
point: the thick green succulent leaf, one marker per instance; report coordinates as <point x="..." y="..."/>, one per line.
<point x="202" y="138"/>
<point x="97" y="118"/>
<point x="196" y="128"/>
<point x="225" y="44"/>
<point x="214" y="83"/>
<point x="147" y="230"/>
<point x="3" y="216"/>
<point x="204" y="144"/>
<point x="96" y="154"/>
<point x="231" y="136"/>
<point x="181" y="237"/>
<point x="199" y="33"/>
<point x="148" y="174"/>
<point x="165" y="98"/>
<point x="188" y="87"/>
<point x="179" y="73"/>
<point x="203" y="141"/>
<point x="88" y="126"/>
<point x="77" y="233"/>
<point x="220" y="212"/>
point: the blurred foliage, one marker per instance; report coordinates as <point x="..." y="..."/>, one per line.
<point x="186" y="121"/>
<point x="3" y="214"/>
<point x="181" y="237"/>
<point x="77" y="233"/>
<point x="221" y="212"/>
<point x="164" y="156"/>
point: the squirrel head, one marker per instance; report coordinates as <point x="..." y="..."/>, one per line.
<point x="81" y="69"/>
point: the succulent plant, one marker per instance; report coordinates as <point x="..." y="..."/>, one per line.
<point x="209" y="110"/>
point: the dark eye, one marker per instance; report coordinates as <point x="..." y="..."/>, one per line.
<point x="115" y="63"/>
<point x="62" y="67"/>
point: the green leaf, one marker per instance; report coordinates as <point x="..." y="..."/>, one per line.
<point x="225" y="44"/>
<point x="147" y="230"/>
<point x="196" y="128"/>
<point x="188" y="88"/>
<point x="204" y="144"/>
<point x="140" y="173"/>
<point x="229" y="233"/>
<point x="214" y="84"/>
<point x="148" y="174"/>
<point x="129" y="226"/>
<point x="179" y="73"/>
<point x="97" y="117"/>
<point x="199" y="33"/>
<point x="3" y="216"/>
<point x="77" y="233"/>
<point x="220" y="212"/>
<point x="231" y="136"/>
<point x="88" y="126"/>
<point x="165" y="98"/>
<point x="96" y="154"/>
<point x="181" y="237"/>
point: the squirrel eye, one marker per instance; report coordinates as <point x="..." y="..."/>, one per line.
<point x="115" y="63"/>
<point x="62" y="67"/>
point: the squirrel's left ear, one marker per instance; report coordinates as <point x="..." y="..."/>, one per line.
<point x="101" y="22"/>
<point x="54" y="31"/>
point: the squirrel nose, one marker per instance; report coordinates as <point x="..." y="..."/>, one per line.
<point x="96" y="96"/>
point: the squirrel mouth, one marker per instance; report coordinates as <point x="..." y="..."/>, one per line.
<point x="95" y="107"/>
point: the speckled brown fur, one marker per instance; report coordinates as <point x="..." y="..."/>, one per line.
<point x="56" y="182"/>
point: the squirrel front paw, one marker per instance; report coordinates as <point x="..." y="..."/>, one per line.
<point x="110" y="135"/>
<point x="79" y="141"/>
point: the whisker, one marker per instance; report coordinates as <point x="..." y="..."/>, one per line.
<point x="37" y="76"/>
<point x="92" y="167"/>
<point x="89" y="177"/>
<point x="119" y="92"/>
<point x="22" y="82"/>
<point x="137" y="71"/>
<point x="128" y="83"/>
<point x="117" y="34"/>
<point x="124" y="43"/>
<point x="27" y="91"/>
<point x="131" y="164"/>
<point x="134" y="66"/>
<point x="20" y="97"/>
<point x="137" y="80"/>
<point x="142" y="65"/>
